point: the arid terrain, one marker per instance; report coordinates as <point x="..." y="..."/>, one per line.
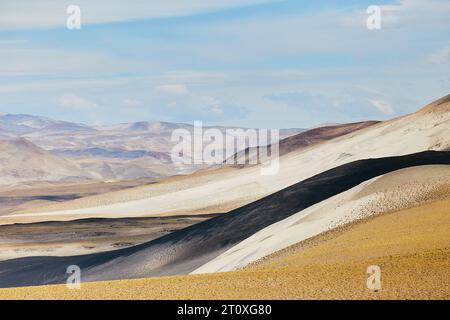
<point x="185" y="250"/>
<point x="216" y="150"/>
<point x="345" y="197"/>
<point x="86" y="236"/>
<point x="36" y="194"/>
<point x="424" y="130"/>
<point x="65" y="151"/>
<point x="395" y="190"/>
<point x="411" y="247"/>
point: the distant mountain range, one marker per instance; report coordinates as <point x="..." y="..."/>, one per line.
<point x="21" y="160"/>
<point x="19" y="124"/>
<point x="118" y="152"/>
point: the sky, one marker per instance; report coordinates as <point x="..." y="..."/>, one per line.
<point x="253" y="63"/>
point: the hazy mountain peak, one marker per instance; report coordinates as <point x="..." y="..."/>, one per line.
<point x="34" y="122"/>
<point x="21" y="160"/>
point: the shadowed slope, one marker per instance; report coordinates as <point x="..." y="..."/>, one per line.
<point x="411" y="246"/>
<point x="187" y="249"/>
<point x="399" y="189"/>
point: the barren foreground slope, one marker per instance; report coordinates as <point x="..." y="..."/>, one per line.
<point x="410" y="246"/>
<point x="185" y="250"/>
<point x="395" y="190"/>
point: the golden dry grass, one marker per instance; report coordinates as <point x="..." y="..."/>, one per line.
<point x="411" y="246"/>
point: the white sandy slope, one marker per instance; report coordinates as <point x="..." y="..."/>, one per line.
<point x="427" y="129"/>
<point x="396" y="190"/>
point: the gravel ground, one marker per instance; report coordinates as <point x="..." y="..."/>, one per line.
<point x="411" y="246"/>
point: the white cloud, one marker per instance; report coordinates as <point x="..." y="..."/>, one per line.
<point x="7" y="42"/>
<point x="172" y="89"/>
<point x="383" y="106"/>
<point x="172" y="104"/>
<point x="315" y="41"/>
<point x="406" y="14"/>
<point x="131" y="103"/>
<point x="72" y="101"/>
<point x="178" y="95"/>
<point x="212" y="104"/>
<point x="25" y="61"/>
<point x="180" y="100"/>
<point x="404" y="26"/>
<point x="414" y="12"/>
<point x="51" y="85"/>
<point x="16" y="14"/>
<point x="193" y="76"/>
<point x="440" y="57"/>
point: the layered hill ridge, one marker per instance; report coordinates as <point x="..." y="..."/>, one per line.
<point x="303" y="140"/>
<point x="396" y="190"/>
<point x="22" y="160"/>
<point x="185" y="250"/>
<point x="350" y="166"/>
<point x="412" y="133"/>
<point x="124" y="151"/>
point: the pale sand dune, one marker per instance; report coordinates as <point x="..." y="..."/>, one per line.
<point x="396" y="190"/>
<point x="411" y="247"/>
<point x="426" y="130"/>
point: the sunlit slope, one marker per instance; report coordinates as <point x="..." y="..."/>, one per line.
<point x="410" y="246"/>
<point x="185" y="250"/>
<point x="427" y="129"/>
<point x="396" y="190"/>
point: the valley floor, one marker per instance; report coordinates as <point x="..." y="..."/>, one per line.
<point x="411" y="246"/>
<point x="68" y="238"/>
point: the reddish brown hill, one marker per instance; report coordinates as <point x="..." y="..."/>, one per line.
<point x="317" y="135"/>
<point x="308" y="138"/>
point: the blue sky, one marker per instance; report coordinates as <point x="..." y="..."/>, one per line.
<point x="256" y="63"/>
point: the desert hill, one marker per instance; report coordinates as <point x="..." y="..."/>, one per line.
<point x="21" y="160"/>
<point x="412" y="133"/>
<point x="186" y="250"/>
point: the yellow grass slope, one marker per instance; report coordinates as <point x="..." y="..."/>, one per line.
<point x="411" y="246"/>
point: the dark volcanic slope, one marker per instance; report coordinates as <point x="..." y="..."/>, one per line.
<point x="185" y="250"/>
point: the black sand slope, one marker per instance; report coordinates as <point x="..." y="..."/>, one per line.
<point x="185" y="250"/>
